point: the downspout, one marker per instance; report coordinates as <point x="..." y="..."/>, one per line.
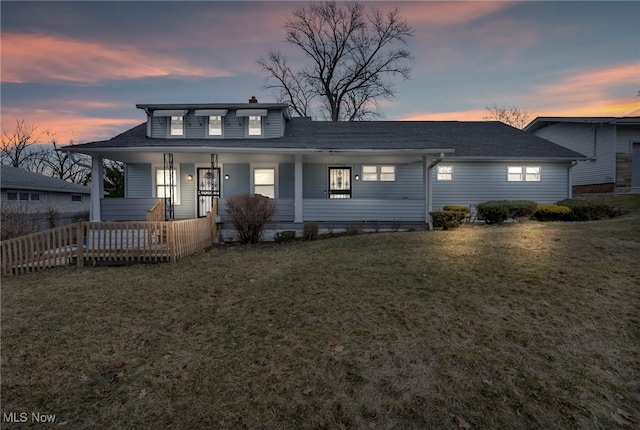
<point x="429" y="186"/>
<point x="570" y="190"/>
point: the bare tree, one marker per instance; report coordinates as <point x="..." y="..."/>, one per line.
<point x="19" y="146"/>
<point x="513" y="116"/>
<point x="351" y="57"/>
<point x="114" y="178"/>
<point x="65" y="165"/>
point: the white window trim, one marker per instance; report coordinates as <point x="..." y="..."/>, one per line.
<point x="523" y="173"/>
<point x="253" y="167"/>
<point x="379" y="174"/>
<point x="154" y="181"/>
<point x="261" y="126"/>
<point x="169" y="129"/>
<point x="215" y="136"/>
<point x="441" y="176"/>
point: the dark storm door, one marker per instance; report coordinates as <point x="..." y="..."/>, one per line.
<point x="339" y="182"/>
<point x="208" y="189"/>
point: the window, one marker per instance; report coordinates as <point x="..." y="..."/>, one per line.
<point x="523" y="173"/>
<point x="444" y="173"/>
<point x="255" y="126"/>
<point x="35" y="197"/>
<point x="24" y="196"/>
<point x="215" y="125"/>
<point x="369" y="173"/>
<point x="177" y="126"/>
<point x="76" y="197"/>
<point x="379" y="173"/>
<point x="12" y="195"/>
<point x="532" y="173"/>
<point x="387" y="173"/>
<point x="264" y="182"/>
<point x="166" y="184"/>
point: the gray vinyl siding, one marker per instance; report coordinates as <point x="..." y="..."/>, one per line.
<point x="592" y="140"/>
<point x="138" y="181"/>
<point x="363" y="210"/>
<point x="233" y="127"/>
<point x="475" y="183"/>
<point x="187" y="207"/>
<point x="239" y="181"/>
<point x="626" y="135"/>
<point x="409" y="183"/>
<point x="128" y="209"/>
<point x="286" y="181"/>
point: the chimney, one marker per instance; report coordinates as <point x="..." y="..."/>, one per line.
<point x="253" y="99"/>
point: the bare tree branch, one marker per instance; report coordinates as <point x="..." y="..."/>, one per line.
<point x="19" y="146"/>
<point x="513" y="116"/>
<point x="351" y="60"/>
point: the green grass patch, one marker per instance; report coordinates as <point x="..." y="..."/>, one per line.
<point x="519" y="326"/>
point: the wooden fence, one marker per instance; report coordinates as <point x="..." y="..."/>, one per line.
<point x="107" y="242"/>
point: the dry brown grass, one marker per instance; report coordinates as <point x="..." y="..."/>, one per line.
<point x="519" y="326"/>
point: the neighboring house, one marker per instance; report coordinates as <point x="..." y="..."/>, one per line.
<point x="611" y="143"/>
<point x="332" y="172"/>
<point x="34" y="193"/>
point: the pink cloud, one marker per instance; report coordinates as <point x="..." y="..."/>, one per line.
<point x="588" y="85"/>
<point x="43" y="58"/>
<point x="448" y="13"/>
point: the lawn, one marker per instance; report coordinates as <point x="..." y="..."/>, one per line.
<point x="517" y="326"/>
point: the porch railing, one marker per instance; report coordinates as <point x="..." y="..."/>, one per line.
<point x="107" y="242"/>
<point x="156" y="213"/>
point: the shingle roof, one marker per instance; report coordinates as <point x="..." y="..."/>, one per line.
<point x="20" y="179"/>
<point x="468" y="139"/>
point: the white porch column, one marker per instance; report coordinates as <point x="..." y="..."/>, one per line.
<point x="297" y="201"/>
<point x="426" y="171"/>
<point x="97" y="187"/>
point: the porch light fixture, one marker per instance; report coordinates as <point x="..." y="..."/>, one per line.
<point x="226" y="177"/>
<point x="357" y="177"/>
<point x="189" y="177"/>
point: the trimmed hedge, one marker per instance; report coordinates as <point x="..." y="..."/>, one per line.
<point x="285" y="236"/>
<point x="552" y="213"/>
<point x="587" y="210"/>
<point x="497" y="211"/>
<point x="457" y="208"/>
<point x="447" y="219"/>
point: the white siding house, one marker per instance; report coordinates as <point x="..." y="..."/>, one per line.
<point x="611" y="143"/>
<point x="332" y="172"/>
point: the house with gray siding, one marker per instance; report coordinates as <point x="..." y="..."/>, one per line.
<point x="611" y="143"/>
<point x="378" y="172"/>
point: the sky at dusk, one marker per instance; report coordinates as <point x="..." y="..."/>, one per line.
<point x="78" y="68"/>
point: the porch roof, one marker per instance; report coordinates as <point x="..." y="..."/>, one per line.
<point x="472" y="139"/>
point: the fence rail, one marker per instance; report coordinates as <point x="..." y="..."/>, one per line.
<point x="104" y="242"/>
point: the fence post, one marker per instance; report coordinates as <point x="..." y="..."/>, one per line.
<point x="80" y="244"/>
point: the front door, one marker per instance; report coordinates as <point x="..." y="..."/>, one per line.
<point x="339" y="182"/>
<point x="208" y="189"/>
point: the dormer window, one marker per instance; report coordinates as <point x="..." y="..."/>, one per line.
<point x="254" y="120"/>
<point x="215" y="125"/>
<point x="255" y="126"/>
<point x="177" y="126"/>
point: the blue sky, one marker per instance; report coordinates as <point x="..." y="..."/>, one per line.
<point x="78" y="68"/>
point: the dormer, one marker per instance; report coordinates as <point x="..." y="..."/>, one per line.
<point x="251" y="120"/>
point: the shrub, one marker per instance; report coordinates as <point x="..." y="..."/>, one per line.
<point x="522" y="209"/>
<point x="552" y="213"/>
<point x="587" y="210"/>
<point x="310" y="231"/>
<point x="497" y="211"/>
<point x="353" y="230"/>
<point x="457" y="208"/>
<point x="249" y="214"/>
<point x="447" y="219"/>
<point x="285" y="236"/>
<point x="494" y="211"/>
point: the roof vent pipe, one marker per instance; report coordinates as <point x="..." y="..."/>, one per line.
<point x="253" y="99"/>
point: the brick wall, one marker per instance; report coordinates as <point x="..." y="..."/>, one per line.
<point x="623" y="171"/>
<point x="594" y="188"/>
